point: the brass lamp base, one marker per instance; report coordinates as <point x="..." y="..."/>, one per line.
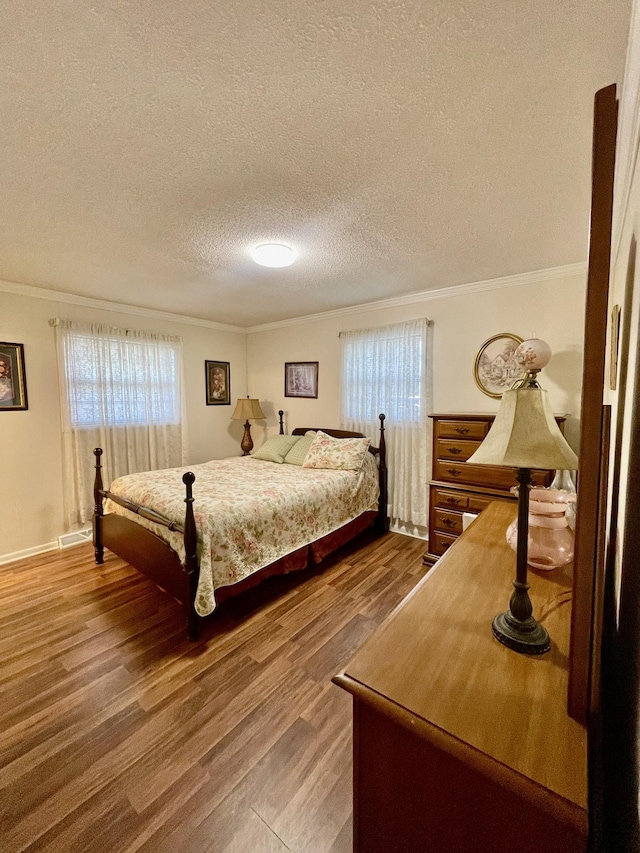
<point x="527" y="637"/>
<point x="247" y="443"/>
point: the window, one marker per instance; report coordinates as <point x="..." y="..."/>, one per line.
<point x="385" y="370"/>
<point x="120" y="382"/>
<point x="120" y="390"/>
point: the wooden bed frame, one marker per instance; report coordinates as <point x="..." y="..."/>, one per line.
<point x="158" y="561"/>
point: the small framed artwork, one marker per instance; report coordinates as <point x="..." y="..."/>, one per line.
<point x="301" y="379"/>
<point x="218" y="383"/>
<point x="496" y="369"/>
<point x="13" y="381"/>
<point x="615" y="346"/>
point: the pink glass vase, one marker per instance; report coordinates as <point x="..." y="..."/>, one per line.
<point x="550" y="540"/>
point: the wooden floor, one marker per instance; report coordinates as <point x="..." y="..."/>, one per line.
<point x="118" y="734"/>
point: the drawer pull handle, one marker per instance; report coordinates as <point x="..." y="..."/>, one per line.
<point x="455" y="450"/>
<point x="454" y="472"/>
<point x="453" y="501"/>
<point x="462" y="430"/>
<point x="449" y="522"/>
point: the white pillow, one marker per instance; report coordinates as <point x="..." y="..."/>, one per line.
<point x="345" y="454"/>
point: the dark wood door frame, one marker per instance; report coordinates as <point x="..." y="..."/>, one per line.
<point x="591" y="513"/>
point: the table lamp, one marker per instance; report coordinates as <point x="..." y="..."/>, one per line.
<point x="524" y="435"/>
<point x="247" y="409"/>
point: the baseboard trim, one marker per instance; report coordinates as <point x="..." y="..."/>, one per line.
<point x="412" y="530"/>
<point x="28" y="552"/>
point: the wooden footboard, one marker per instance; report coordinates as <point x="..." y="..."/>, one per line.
<point x="146" y="551"/>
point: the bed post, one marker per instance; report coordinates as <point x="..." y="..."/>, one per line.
<point x="382" y="521"/>
<point x="97" y="509"/>
<point x="280" y="414"/>
<point x="190" y="564"/>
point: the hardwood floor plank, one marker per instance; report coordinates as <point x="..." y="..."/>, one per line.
<point x="29" y="732"/>
<point x="310" y="815"/>
<point x="254" y="835"/>
<point x="344" y="841"/>
<point x="76" y="835"/>
<point x="153" y="820"/>
<point x="339" y="648"/>
<point x="120" y="735"/>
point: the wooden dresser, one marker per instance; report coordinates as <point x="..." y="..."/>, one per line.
<point x="458" y="487"/>
<point x="460" y="744"/>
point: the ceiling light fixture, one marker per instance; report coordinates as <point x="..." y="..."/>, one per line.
<point x="273" y="255"/>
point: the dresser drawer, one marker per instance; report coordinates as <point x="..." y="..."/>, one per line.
<point x="477" y="503"/>
<point x="461" y="429"/>
<point x="490" y="476"/>
<point x="447" y="520"/>
<point x="459" y="486"/>
<point x="439" y="542"/>
<point x="453" y="500"/>
<point x="455" y="449"/>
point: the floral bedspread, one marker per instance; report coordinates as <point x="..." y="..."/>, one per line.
<point x="248" y="512"/>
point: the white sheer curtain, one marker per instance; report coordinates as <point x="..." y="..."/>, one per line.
<point x="385" y="370"/>
<point x="120" y="390"/>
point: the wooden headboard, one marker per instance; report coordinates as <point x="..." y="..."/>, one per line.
<point x="380" y="451"/>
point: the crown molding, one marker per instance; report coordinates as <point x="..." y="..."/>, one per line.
<point x="537" y="277"/>
<point x="118" y="307"/>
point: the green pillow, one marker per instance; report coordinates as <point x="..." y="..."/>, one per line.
<point x="298" y="452"/>
<point x="276" y="448"/>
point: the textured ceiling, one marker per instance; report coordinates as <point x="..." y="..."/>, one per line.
<point x="146" y="145"/>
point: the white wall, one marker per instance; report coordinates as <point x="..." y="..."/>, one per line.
<point x="620" y="702"/>
<point x="553" y="310"/>
<point x="624" y="288"/>
<point x="30" y="441"/>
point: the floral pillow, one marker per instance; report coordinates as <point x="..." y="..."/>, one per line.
<point x="276" y="448"/>
<point x="345" y="454"/>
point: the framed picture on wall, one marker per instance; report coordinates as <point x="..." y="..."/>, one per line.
<point x="615" y="346"/>
<point x="301" y="379"/>
<point x="495" y="368"/>
<point x="13" y="381"/>
<point x="218" y="383"/>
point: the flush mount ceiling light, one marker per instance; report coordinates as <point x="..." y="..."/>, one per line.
<point x="273" y="255"/>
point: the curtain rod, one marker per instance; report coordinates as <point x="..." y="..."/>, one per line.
<point x="426" y="320"/>
<point x="110" y="329"/>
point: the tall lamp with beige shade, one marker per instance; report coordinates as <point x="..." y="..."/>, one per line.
<point x="525" y="435"/>
<point x="247" y="409"/>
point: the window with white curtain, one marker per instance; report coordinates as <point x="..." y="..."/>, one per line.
<point x="120" y="390"/>
<point x="385" y="370"/>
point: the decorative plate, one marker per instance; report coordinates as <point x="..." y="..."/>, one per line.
<point x="496" y="369"/>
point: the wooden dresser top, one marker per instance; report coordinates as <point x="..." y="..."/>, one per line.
<point x="436" y="659"/>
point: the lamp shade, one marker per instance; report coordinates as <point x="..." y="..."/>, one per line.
<point x="525" y="434"/>
<point x="248" y="409"/>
